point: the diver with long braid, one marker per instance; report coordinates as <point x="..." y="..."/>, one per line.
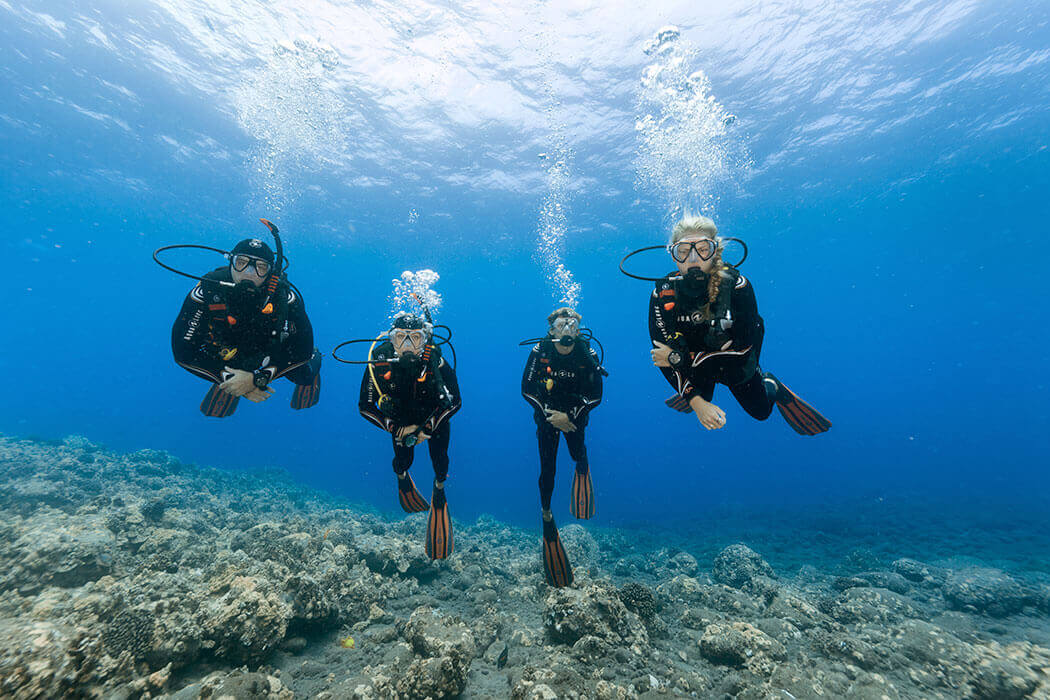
<point x="706" y="330"/>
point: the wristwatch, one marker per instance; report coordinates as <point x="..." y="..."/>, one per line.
<point x="676" y="359"/>
<point x="261" y="378"/>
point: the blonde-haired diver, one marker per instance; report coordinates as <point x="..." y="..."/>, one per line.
<point x="706" y="330"/>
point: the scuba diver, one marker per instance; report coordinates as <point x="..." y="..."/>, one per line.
<point x="705" y="329"/>
<point x="243" y="326"/>
<point x="410" y="391"/>
<point x="563" y="384"/>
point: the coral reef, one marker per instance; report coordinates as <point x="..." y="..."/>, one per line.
<point x="136" y="576"/>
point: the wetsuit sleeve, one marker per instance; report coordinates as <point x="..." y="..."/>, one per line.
<point x="530" y="380"/>
<point x="368" y="404"/>
<point x="748" y="329"/>
<point x="447" y="409"/>
<point x="190" y="344"/>
<point x="659" y="333"/>
<point x="590" y="390"/>
<point x="297" y="349"/>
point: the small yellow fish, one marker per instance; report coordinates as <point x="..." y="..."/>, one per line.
<point x="347" y="642"/>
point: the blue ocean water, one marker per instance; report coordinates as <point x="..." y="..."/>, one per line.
<point x="887" y="165"/>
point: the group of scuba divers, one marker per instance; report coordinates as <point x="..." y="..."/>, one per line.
<point x="244" y="325"/>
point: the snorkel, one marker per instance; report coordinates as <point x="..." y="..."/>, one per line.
<point x="277" y="270"/>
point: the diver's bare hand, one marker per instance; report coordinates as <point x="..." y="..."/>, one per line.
<point x="660" y="353"/>
<point x="709" y="415"/>
<point x="240" y="384"/>
<point x="259" y="395"/>
<point x="406" y="431"/>
<point x="560" y="420"/>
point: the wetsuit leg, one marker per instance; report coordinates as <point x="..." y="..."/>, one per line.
<point x="304" y="374"/>
<point x="438" y="444"/>
<point x="578" y="448"/>
<point x="402" y="457"/>
<point x="753" y="397"/>
<point x="706" y="391"/>
<point x="547" y="436"/>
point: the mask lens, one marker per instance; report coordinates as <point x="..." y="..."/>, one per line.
<point x="241" y="263"/>
<point x="402" y="337"/>
<point x="704" y="248"/>
<point x="565" y="326"/>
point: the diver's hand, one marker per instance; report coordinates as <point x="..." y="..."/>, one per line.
<point x="259" y="395"/>
<point x="709" y="415"/>
<point x="402" y="433"/>
<point x="240" y="384"/>
<point x="560" y="420"/>
<point x="660" y="353"/>
<point x="421" y="438"/>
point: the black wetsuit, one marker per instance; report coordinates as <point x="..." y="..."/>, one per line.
<point x="429" y="404"/>
<point x="736" y="367"/>
<point x="281" y="343"/>
<point x="576" y="389"/>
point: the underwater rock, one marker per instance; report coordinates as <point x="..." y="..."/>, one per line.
<point x="914" y="571"/>
<point x="580" y="545"/>
<point x="873" y="579"/>
<point x="239" y="684"/>
<point x="727" y="600"/>
<point x="741" y="644"/>
<point x="52" y="548"/>
<point x="45" y="659"/>
<point x="595" y="610"/>
<point x="245" y="616"/>
<point x="1002" y="679"/>
<point x="797" y="610"/>
<point x="683" y="563"/>
<point x="737" y="564"/>
<point x="447" y="648"/>
<point x="872" y="605"/>
<point x="987" y="591"/>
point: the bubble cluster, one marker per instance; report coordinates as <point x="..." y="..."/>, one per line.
<point x="295" y="118"/>
<point x="687" y="154"/>
<point x="414" y="290"/>
<point x="553" y="224"/>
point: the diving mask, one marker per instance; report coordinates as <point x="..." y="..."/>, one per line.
<point x="565" y="330"/>
<point x="705" y="249"/>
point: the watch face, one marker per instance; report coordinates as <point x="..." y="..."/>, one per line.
<point x="674" y="358"/>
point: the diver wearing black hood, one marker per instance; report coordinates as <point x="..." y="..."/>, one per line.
<point x="410" y="391"/>
<point x="706" y="330"/>
<point x="242" y="327"/>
